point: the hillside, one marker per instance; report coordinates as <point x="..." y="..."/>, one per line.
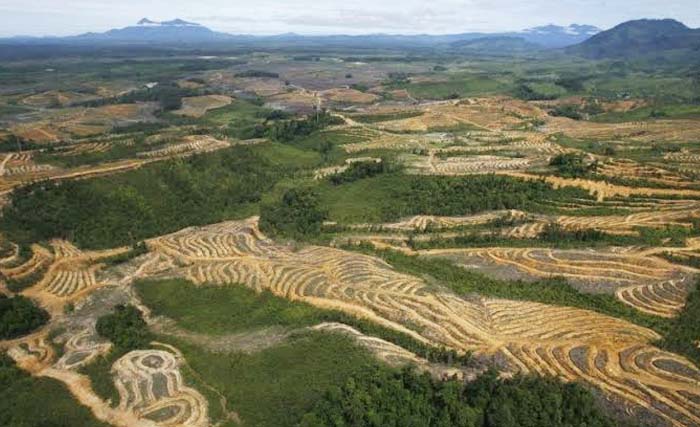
<point x="638" y="38"/>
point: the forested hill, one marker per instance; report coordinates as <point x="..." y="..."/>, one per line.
<point x="640" y="38"/>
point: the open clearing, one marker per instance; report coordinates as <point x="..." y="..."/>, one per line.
<point x="197" y="106"/>
<point x="71" y="123"/>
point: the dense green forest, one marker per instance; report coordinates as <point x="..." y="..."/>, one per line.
<point x="26" y="401"/>
<point x="124" y="209"/>
<point x="389" y="398"/>
<point x="19" y="316"/>
<point x="388" y="197"/>
<point x="125" y="328"/>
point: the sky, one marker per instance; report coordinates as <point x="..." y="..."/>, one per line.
<point x="68" y="17"/>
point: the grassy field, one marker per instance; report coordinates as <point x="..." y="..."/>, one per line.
<point x="217" y="310"/>
<point x="470" y="85"/>
<point x="277" y="386"/>
<point x="274" y="387"/>
<point x="663" y="111"/>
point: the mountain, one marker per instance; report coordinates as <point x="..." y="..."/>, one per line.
<point x="177" y="31"/>
<point x="640" y="38"/>
<point x="554" y="36"/>
<point x="530" y="40"/>
<point x="146" y="30"/>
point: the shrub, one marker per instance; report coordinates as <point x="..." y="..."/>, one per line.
<point x="555" y="233"/>
<point x="526" y="93"/>
<point x="572" y="165"/>
<point x="358" y="171"/>
<point x="258" y="73"/>
<point x="570" y="111"/>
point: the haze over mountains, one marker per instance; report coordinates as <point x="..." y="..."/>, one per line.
<point x="178" y="30"/>
<point x="629" y="39"/>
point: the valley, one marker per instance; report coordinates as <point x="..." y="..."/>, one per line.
<point x="258" y="236"/>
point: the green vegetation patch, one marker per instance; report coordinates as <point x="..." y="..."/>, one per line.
<point x="235" y="308"/>
<point x="555" y="291"/>
<point x="125" y="328"/>
<point x="389" y="197"/>
<point x="669" y="111"/>
<point x="220" y="310"/>
<point x="27" y="401"/>
<point x="298" y="213"/>
<point x="384" y="397"/>
<point x="117" y="151"/>
<point x="19" y="316"/>
<point x="277" y="386"/>
<point x="101" y="379"/>
<point x="154" y="200"/>
<point x="386" y="117"/>
<point x="459" y="87"/>
<point x="684" y="334"/>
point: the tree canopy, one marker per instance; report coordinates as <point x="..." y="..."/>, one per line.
<point x="389" y="398"/>
<point x="297" y="213"/>
<point x="19" y="316"/>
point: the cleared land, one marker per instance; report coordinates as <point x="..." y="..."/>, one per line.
<point x="197" y="106"/>
<point x="485" y="243"/>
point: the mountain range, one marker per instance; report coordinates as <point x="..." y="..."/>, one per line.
<point x="180" y="31"/>
<point x="145" y="30"/>
<point x="630" y="39"/>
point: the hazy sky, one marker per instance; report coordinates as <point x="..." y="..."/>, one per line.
<point x="65" y="17"/>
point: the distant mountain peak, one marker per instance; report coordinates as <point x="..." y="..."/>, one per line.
<point x="573" y="29"/>
<point x="145" y="22"/>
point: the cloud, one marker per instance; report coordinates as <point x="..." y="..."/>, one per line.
<point x="335" y="16"/>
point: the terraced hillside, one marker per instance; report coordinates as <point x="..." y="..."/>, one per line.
<point x="616" y="356"/>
